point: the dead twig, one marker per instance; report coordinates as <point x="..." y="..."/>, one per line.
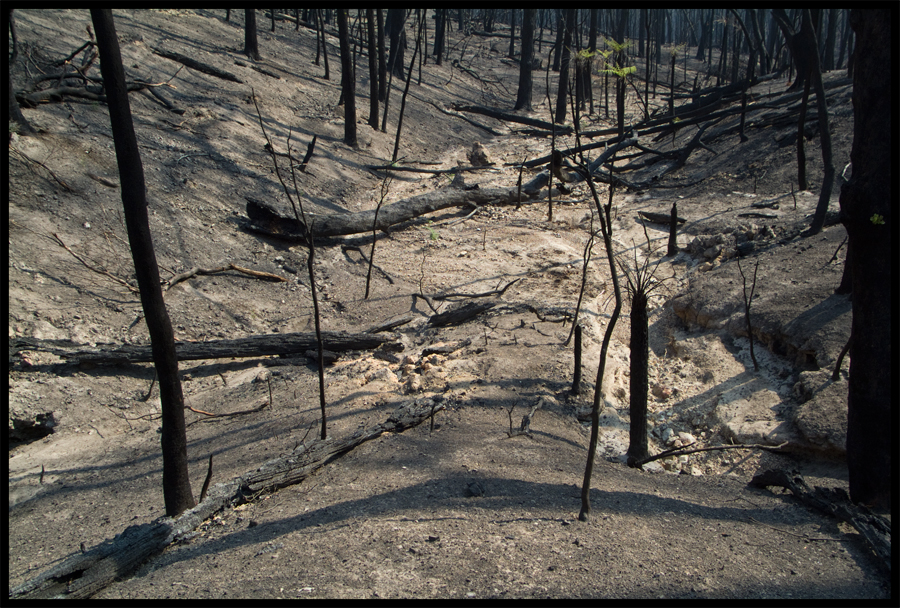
<point x="37" y="162"/>
<point x="94" y="268"/>
<point x="681" y="452"/>
<point x="210" y="416"/>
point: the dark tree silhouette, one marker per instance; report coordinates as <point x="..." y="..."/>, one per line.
<point x="251" y="47"/>
<point x="15" y="112"/>
<point x="373" y="69"/>
<point x="523" y="97"/>
<point x="176" y="483"/>
<point x="348" y="79"/>
<point x="815" y="75"/>
<point x="569" y="26"/>
<point x="382" y="64"/>
<point x="396" y="19"/>
<point x="867" y="206"/>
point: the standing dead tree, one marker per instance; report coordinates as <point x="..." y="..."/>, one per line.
<point x="309" y="237"/>
<point x="641" y="282"/>
<point x="176" y="482"/>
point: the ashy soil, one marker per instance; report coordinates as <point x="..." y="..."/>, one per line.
<point x="461" y="509"/>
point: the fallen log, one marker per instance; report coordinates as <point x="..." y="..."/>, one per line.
<point x="251" y="346"/>
<point x="461" y="314"/>
<point x="83" y="574"/>
<point x="196" y="65"/>
<point x="267" y="219"/>
<point x="506" y="116"/>
<point x="659" y="218"/>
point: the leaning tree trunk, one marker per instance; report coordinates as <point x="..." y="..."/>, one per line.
<point x="867" y="210"/>
<point x="176" y="483"/>
<point x="637" y="445"/>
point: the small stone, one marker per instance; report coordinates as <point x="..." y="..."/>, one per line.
<point x="686" y="438"/>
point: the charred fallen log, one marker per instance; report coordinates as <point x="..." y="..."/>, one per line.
<point x="83" y="574"/>
<point x="251" y="346"/>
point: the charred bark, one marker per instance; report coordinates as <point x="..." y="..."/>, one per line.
<point x="252" y="346"/>
<point x="176" y="483"/>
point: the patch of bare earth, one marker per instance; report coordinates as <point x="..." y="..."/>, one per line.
<point x="460" y="509"/>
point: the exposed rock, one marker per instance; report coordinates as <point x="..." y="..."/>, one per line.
<point x="822" y="419"/>
<point x="752" y="418"/>
<point x="478" y="156"/>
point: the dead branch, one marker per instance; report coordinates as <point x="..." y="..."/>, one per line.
<point x="206" y="271"/>
<point x="682" y="452"/>
<point x="493" y="292"/>
<point x="37" y="162"/>
<point x="94" y="268"/>
<point x="211" y="416"/>
<point x="418" y="170"/>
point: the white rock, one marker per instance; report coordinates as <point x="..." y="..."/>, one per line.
<point x="686" y="438"/>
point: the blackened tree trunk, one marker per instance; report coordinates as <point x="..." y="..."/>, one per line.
<point x="569" y="26"/>
<point x="512" y="33"/>
<point x="439" y="30"/>
<point x="15" y="112"/>
<point x="373" y="69"/>
<point x="396" y="20"/>
<point x="176" y="483"/>
<point x="867" y="206"/>
<point x="638" y="385"/>
<point x="830" y="38"/>
<point x="560" y="26"/>
<point x="382" y="63"/>
<point x="523" y="97"/>
<point x="321" y="22"/>
<point x="348" y="79"/>
<point x="824" y="133"/>
<point x="251" y="47"/>
<point x="412" y="64"/>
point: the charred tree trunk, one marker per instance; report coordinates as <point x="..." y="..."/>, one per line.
<point x="824" y="133"/>
<point x="251" y="47"/>
<point x="176" y="483"/>
<point x="867" y="209"/>
<point x="348" y="80"/>
<point x="560" y="116"/>
<point x="526" y="65"/>
<point x="637" y="444"/>
<point x="373" y="69"/>
<point x="382" y="63"/>
<point x="396" y="20"/>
